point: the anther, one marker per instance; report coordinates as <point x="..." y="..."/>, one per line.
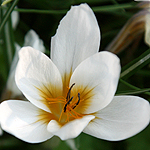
<point x="65" y="107"/>
<point x="68" y="94"/>
<point x="77" y="101"/>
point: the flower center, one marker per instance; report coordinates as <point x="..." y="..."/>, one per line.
<point x="69" y="100"/>
<point x="66" y="106"/>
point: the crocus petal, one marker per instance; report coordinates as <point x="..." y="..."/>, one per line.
<point x="32" y="39"/>
<point x="20" y="118"/>
<point x="124" y="117"/>
<point x="15" y="19"/>
<point x="70" y="130"/>
<point x="37" y="77"/>
<point x="77" y="38"/>
<point x="99" y="74"/>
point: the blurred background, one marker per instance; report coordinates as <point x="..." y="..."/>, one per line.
<point x="124" y="31"/>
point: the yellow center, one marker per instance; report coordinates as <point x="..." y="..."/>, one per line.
<point x="67" y="105"/>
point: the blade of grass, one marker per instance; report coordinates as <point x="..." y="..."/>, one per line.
<point x="131" y="92"/>
<point x="7" y="47"/>
<point x="132" y="86"/>
<point x="9" y="41"/>
<point x="115" y="2"/>
<point x="144" y="73"/>
<point x="95" y="9"/>
<point x="3" y="57"/>
<point x="113" y="7"/>
<point x="135" y="65"/>
<point x="7" y="14"/>
<point x="39" y="11"/>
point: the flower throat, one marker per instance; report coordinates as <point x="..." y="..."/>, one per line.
<point x="67" y="106"/>
<point x="70" y="105"/>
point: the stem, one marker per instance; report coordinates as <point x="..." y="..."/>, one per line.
<point x="107" y="8"/>
<point x="132" y="86"/>
<point x="7" y="14"/>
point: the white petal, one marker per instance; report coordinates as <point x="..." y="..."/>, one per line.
<point x="32" y="39"/>
<point x="70" y="130"/>
<point x="124" y="117"/>
<point x="20" y="118"/>
<point x="36" y="71"/>
<point x="77" y="38"/>
<point x="53" y="126"/>
<point x="99" y="74"/>
<point x="15" y="18"/>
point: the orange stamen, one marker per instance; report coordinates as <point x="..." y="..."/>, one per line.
<point x="68" y="105"/>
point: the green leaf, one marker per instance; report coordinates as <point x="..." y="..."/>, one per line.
<point x="132" y="86"/>
<point x="108" y="8"/>
<point x="7" y="41"/>
<point x="39" y="11"/>
<point x="144" y="73"/>
<point x="113" y="7"/>
<point x="131" y="92"/>
<point x="7" y="14"/>
<point x="135" y="65"/>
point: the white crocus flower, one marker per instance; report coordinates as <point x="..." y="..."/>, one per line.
<point x="72" y="92"/>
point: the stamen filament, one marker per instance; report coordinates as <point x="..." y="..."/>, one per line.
<point x="77" y="114"/>
<point x="55" y="102"/>
<point x="67" y="106"/>
<point x="60" y="115"/>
